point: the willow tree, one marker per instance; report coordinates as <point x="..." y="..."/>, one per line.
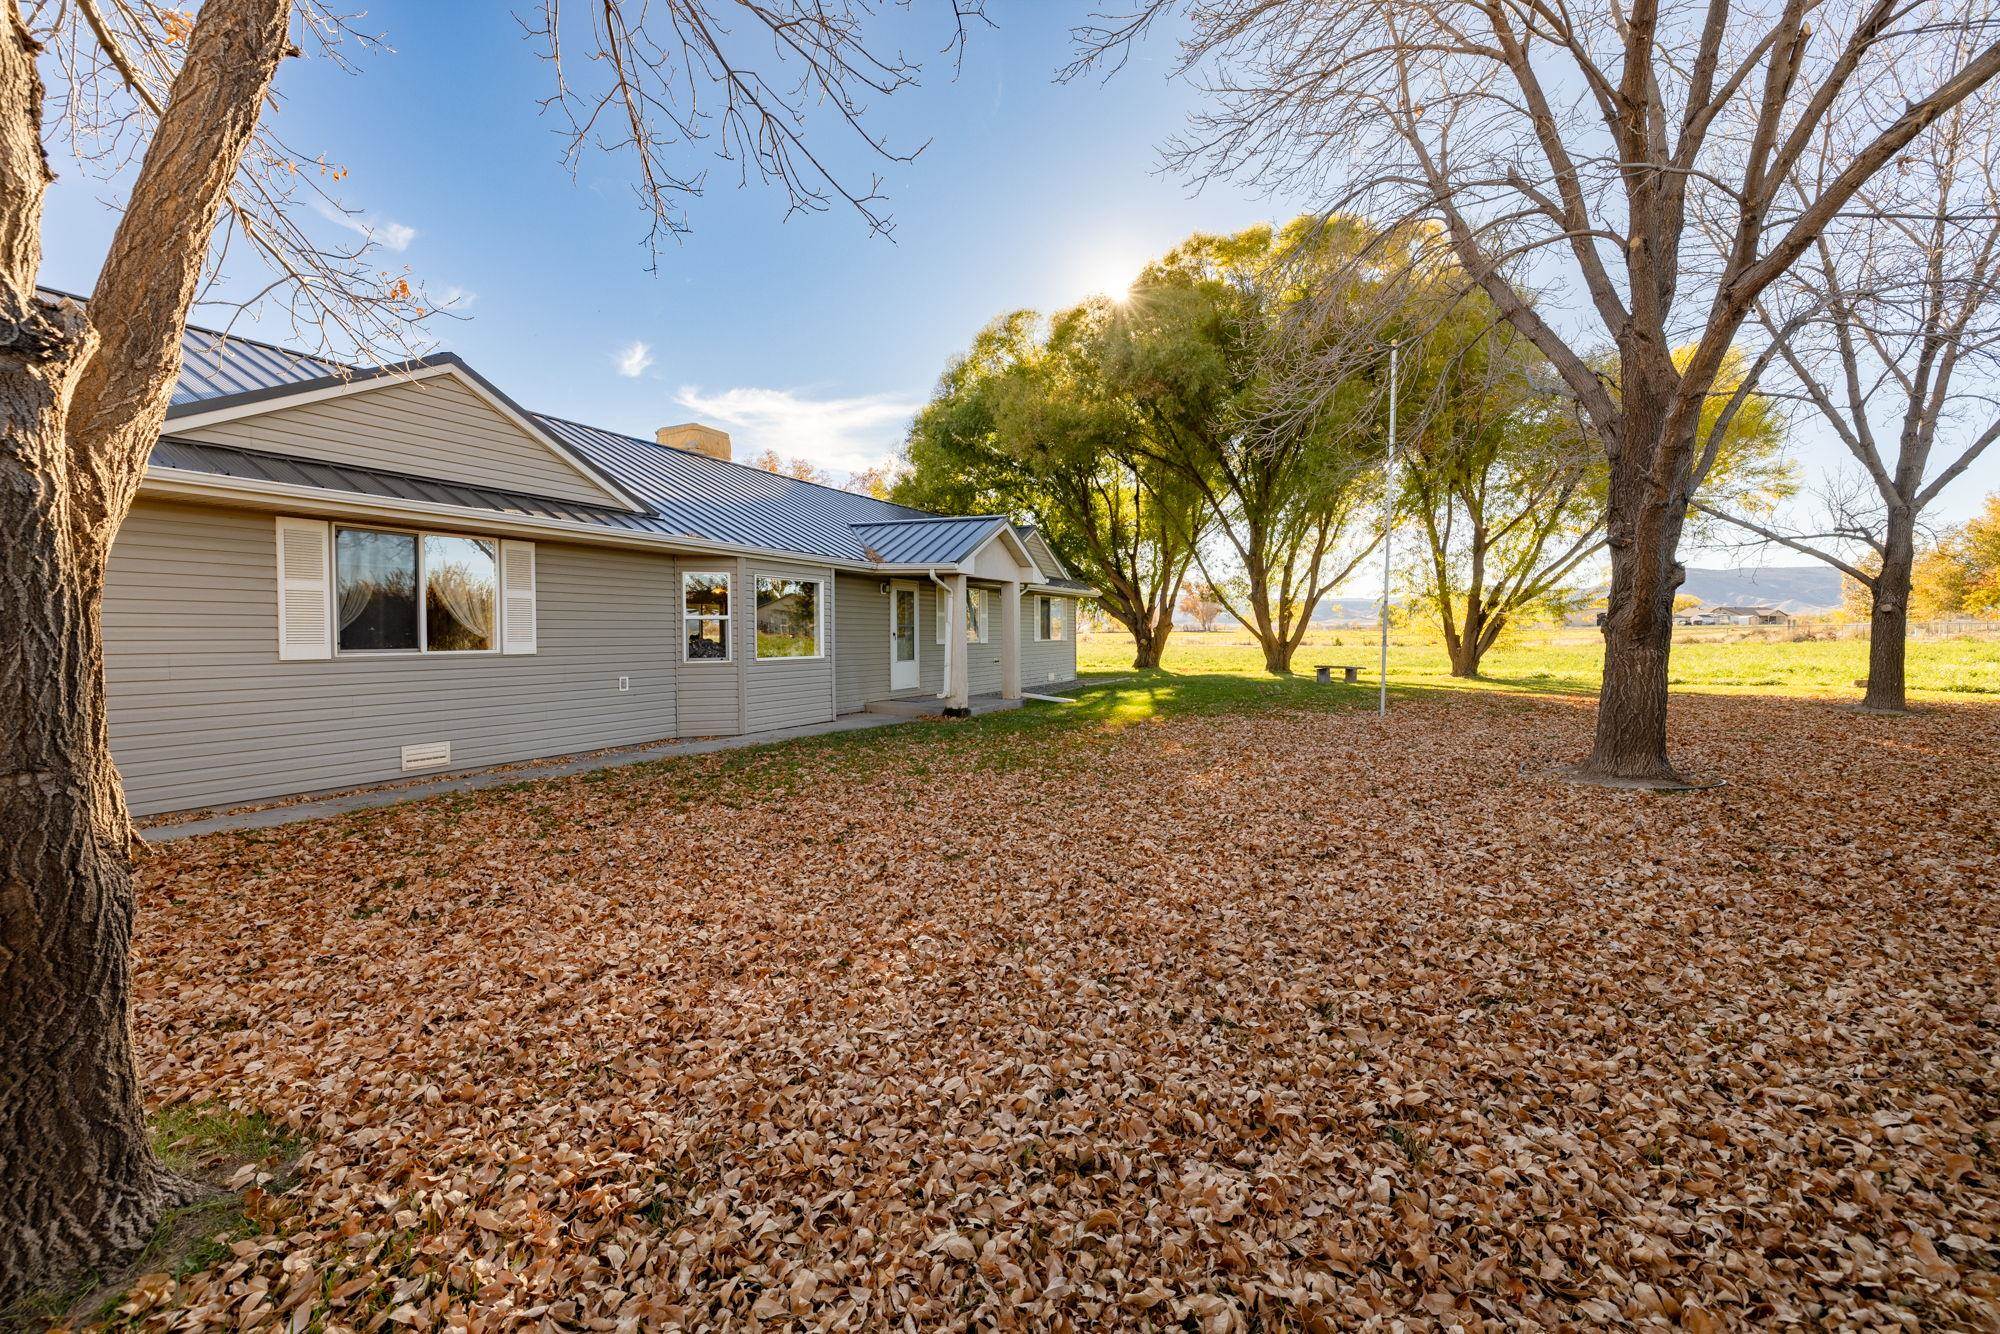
<point x="1285" y="488"/>
<point x="1025" y="423"/>
<point x="1565" y="151"/>
<point x="84" y="390"/>
<point x="1504" y="488"/>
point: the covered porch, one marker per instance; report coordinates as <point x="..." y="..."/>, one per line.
<point x="980" y="576"/>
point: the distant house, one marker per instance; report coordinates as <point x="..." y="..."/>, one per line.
<point x="1742" y="616"/>
<point x="337" y="574"/>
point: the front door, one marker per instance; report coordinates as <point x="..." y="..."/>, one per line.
<point x="903" y="637"/>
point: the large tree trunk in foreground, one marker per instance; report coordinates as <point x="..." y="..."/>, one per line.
<point x="78" y="1181"/>
<point x="82" y="398"/>
<point x="1646" y="515"/>
<point x="1889" y="617"/>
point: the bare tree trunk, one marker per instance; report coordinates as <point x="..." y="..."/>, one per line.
<point x="1464" y="653"/>
<point x="1889" y="615"/>
<point x="78" y="1180"/>
<point x="1646" y="514"/>
<point x="82" y="399"/>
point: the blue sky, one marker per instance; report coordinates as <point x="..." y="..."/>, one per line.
<point x="805" y="334"/>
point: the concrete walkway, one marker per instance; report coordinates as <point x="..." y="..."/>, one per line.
<point x="368" y="798"/>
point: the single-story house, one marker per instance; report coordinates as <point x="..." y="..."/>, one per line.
<point x="337" y="575"/>
<point x="1756" y="615"/>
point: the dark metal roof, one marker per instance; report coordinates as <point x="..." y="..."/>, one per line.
<point x="927" y="541"/>
<point x="736" y="503"/>
<point x="259" y="466"/>
<point x="215" y="365"/>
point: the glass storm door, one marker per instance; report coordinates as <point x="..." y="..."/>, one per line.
<point x="902" y="637"/>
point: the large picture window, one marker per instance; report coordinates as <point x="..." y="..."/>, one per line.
<point x="788" y="618"/>
<point x="415" y="593"/>
<point x="705" y="612"/>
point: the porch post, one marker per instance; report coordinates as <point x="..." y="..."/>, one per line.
<point x="1010" y="640"/>
<point x="961" y="656"/>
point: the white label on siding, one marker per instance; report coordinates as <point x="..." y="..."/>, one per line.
<point x="426" y="755"/>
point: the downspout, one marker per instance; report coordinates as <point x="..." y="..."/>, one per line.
<point x="944" y="591"/>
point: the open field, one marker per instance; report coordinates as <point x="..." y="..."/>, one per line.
<point x="1569" y="660"/>
<point x="1208" y="1003"/>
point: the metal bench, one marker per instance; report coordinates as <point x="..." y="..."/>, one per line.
<point x="1323" y="673"/>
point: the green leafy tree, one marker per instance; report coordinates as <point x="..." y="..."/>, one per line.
<point x="1507" y="484"/>
<point x="1024" y="423"/>
<point x="1283" y="474"/>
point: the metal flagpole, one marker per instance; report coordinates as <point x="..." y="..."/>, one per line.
<point x="1388" y="527"/>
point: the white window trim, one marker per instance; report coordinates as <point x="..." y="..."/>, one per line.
<point x="728" y="578"/>
<point x="423" y="649"/>
<point x="819" y="616"/>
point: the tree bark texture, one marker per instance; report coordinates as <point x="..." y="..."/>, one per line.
<point x="1889" y="616"/>
<point x="1647" y="510"/>
<point x="82" y="399"/>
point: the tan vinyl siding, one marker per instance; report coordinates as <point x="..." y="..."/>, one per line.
<point x="1046" y="661"/>
<point x="203" y="713"/>
<point x="861" y="641"/>
<point x="1044" y="556"/>
<point x="431" y="428"/>
<point x="790" y="692"/>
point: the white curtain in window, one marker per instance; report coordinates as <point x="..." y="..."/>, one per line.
<point x="468" y="598"/>
<point x="353" y="601"/>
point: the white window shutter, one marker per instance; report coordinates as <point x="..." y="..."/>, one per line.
<point x="305" y="592"/>
<point x="517" y="582"/>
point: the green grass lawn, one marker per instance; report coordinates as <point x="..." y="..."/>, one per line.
<point x="1569" y="661"/>
<point x="1222" y="673"/>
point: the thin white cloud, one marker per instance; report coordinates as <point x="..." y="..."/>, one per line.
<point x="388" y="234"/>
<point x="633" y="359"/>
<point x="844" y="434"/>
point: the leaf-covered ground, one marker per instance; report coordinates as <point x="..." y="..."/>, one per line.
<point x="1285" y="1020"/>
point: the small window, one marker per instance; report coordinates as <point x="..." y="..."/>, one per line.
<point x="975" y="616"/>
<point x="787" y="618"/>
<point x="705" y="607"/>
<point x="1048" y="619"/>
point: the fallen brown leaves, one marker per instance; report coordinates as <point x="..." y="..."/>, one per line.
<point x="1281" y="1021"/>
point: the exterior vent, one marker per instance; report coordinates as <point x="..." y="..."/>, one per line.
<point x="694" y="438"/>
<point x="426" y="755"/>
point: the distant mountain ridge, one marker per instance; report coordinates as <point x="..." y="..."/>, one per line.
<point x="1798" y="589"/>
